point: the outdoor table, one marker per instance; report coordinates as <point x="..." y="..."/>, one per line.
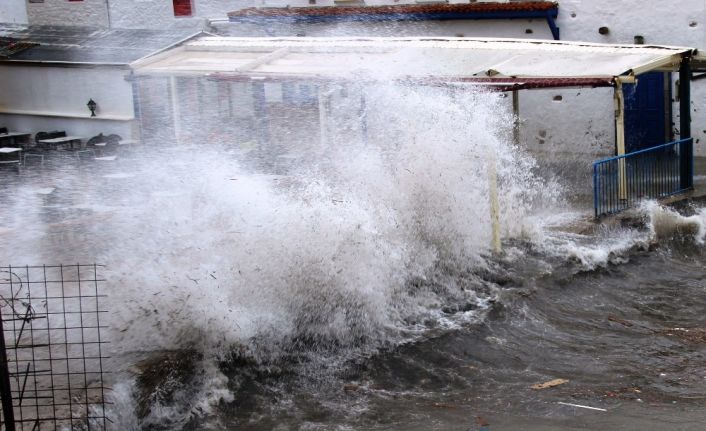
<point x="15" y="138"/>
<point x="6" y="154"/>
<point x="56" y="142"/>
<point x="122" y="142"/>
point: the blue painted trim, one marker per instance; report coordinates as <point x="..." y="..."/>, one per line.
<point x="646" y="150"/>
<point x="551" y="16"/>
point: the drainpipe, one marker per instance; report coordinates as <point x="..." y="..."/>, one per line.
<point x="686" y="168"/>
<point x="107" y="8"/>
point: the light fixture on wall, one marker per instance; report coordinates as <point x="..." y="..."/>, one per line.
<point x="92" y="107"/>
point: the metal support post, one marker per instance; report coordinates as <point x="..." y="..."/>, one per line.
<point x="260" y="112"/>
<point x="686" y="179"/>
<point x="495" y="243"/>
<point x="5" y="388"/>
<point x="516" y="116"/>
<point x="176" y="111"/>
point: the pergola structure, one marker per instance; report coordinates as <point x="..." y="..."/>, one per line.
<point x="497" y="64"/>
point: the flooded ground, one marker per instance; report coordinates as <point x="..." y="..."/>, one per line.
<point x="629" y="339"/>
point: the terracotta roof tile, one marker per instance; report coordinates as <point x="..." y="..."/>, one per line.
<point x="406" y="9"/>
<point x="9" y="47"/>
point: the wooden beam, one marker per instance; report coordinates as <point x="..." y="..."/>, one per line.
<point x="619" y="99"/>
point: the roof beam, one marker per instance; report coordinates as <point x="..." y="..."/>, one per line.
<point x="670" y="63"/>
<point x="263" y="59"/>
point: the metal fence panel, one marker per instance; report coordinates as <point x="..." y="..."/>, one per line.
<point x="54" y="349"/>
<point x="621" y="182"/>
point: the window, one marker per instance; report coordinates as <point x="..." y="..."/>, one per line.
<point x="182" y="7"/>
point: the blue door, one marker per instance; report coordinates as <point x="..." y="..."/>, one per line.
<point x="646" y="111"/>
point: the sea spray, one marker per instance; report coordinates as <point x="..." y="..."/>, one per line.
<point x="321" y="256"/>
<point x="362" y="241"/>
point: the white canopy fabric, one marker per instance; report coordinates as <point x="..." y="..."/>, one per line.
<point x="399" y="58"/>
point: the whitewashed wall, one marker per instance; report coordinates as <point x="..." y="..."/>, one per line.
<point x="34" y="99"/>
<point x="160" y="13"/>
<point x="88" y="13"/>
<point x="13" y="11"/>
<point x="584" y="118"/>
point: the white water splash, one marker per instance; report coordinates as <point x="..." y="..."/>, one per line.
<point x="347" y="250"/>
<point x="667" y="224"/>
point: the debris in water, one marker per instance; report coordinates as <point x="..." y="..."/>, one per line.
<point x="582" y="407"/>
<point x="690" y="335"/>
<point x="620" y="321"/>
<point x="443" y="406"/>
<point x="550" y="384"/>
<point x="161" y="378"/>
<point x="482" y="423"/>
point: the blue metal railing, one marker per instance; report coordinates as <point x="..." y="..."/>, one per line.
<point x="621" y="182"/>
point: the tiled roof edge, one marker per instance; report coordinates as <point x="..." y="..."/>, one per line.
<point x="406" y="9"/>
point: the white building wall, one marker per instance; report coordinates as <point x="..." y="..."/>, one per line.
<point x="159" y="14"/>
<point x="583" y="122"/>
<point x="155" y="14"/>
<point x="86" y="13"/>
<point x="13" y="11"/>
<point x="34" y="99"/>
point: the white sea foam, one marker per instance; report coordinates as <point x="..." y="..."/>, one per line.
<point x="667" y="224"/>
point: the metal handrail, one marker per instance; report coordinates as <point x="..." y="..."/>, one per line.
<point x="620" y="182"/>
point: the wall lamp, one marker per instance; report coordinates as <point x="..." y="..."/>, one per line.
<point x="92" y="106"/>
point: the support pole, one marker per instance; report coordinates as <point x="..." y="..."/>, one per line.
<point x="324" y="97"/>
<point x="262" y="135"/>
<point x="686" y="178"/>
<point x="619" y="98"/>
<point x="495" y="244"/>
<point x="516" y="116"/>
<point x="176" y="112"/>
<point x="363" y="117"/>
<point x="5" y="388"/>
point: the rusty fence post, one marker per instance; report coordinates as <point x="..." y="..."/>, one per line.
<point x="5" y="388"/>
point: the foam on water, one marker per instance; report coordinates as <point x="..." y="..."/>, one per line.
<point x="667" y="224"/>
<point x="654" y="225"/>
